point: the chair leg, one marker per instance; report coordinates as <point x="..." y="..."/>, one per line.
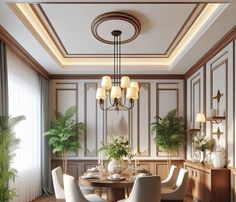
<point x="98" y="191"/>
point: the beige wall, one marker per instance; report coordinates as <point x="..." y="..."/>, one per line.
<point x="156" y="97"/>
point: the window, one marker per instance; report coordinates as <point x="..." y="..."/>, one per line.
<point x="24" y="99"/>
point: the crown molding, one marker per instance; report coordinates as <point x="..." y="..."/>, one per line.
<point x="229" y="37"/>
<point x="132" y="76"/>
<point x="22" y="53"/>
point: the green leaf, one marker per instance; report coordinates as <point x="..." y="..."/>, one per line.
<point x="8" y="144"/>
<point x="169" y="131"/>
<point x="63" y="136"/>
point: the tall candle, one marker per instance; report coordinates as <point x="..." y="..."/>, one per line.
<point x="99" y="158"/>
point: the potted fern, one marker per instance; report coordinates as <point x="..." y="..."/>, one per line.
<point x="8" y="144"/>
<point x="63" y="136"/>
<point x="169" y="133"/>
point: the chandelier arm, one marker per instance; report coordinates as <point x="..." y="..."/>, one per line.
<point x="101" y="103"/>
<point x="131" y="106"/>
<point x="112" y="104"/>
<point x="114" y="61"/>
<point x="117" y="60"/>
<point x="124" y="98"/>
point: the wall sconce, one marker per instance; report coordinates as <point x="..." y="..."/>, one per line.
<point x="200" y="119"/>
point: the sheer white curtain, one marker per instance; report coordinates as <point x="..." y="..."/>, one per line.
<point x="24" y="99"/>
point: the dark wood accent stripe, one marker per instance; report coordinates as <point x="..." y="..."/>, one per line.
<point x="229" y="37"/>
<point x="22" y="53"/>
<point x="132" y="76"/>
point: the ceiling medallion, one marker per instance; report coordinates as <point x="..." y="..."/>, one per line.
<point x="104" y="24"/>
<point x="115" y="91"/>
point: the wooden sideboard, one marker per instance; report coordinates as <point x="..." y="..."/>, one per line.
<point x="156" y="167"/>
<point x="207" y="184"/>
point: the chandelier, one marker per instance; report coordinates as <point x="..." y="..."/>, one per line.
<point x="116" y="91"/>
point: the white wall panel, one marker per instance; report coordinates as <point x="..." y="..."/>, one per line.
<point x="137" y="121"/>
<point x="195" y="104"/>
<point x="219" y="76"/>
<point x="90" y="115"/>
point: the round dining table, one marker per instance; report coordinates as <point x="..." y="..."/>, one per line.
<point x="115" y="189"/>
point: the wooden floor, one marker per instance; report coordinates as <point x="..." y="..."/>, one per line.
<point x="47" y="199"/>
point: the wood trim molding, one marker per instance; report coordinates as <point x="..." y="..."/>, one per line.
<point x="158" y="89"/>
<point x="229" y="37"/>
<point x="132" y="76"/>
<point x="212" y="69"/>
<point x="22" y="53"/>
<point x="76" y="104"/>
<point x="87" y="86"/>
<point x="48" y="25"/>
<point x="148" y="89"/>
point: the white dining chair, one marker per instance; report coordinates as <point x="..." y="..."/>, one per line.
<point x="146" y="188"/>
<point x="74" y="194"/>
<point x="57" y="179"/>
<point x="171" y="178"/>
<point x="178" y="192"/>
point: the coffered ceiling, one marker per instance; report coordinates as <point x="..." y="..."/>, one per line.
<point x="173" y="35"/>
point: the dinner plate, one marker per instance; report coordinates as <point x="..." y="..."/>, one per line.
<point x="89" y="176"/>
<point x="92" y="170"/>
<point x="115" y="179"/>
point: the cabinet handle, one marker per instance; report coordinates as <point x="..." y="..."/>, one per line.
<point x="195" y="173"/>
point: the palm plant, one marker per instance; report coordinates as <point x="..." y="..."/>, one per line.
<point x="63" y="136"/>
<point x="169" y="133"/>
<point x="8" y="144"/>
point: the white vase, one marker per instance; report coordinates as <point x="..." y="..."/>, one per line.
<point x="219" y="159"/>
<point x="115" y="166"/>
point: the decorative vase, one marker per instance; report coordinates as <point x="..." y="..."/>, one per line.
<point x="202" y="156"/>
<point x="115" y="166"/>
<point x="219" y="158"/>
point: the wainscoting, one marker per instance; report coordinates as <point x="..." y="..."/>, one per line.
<point x="77" y="167"/>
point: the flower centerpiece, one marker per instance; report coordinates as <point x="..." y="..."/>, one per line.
<point x="116" y="150"/>
<point x="202" y="143"/>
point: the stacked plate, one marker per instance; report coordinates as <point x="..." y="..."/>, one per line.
<point x="92" y="170"/>
<point x="115" y="177"/>
<point x="139" y="175"/>
<point x="90" y="174"/>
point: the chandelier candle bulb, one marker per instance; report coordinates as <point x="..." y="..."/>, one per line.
<point x="125" y="82"/>
<point x="100" y="94"/>
<point x="132" y="93"/>
<point x="106" y="82"/>
<point x="115" y="92"/>
<point x="135" y="85"/>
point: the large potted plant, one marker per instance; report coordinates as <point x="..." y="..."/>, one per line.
<point x="63" y="136"/>
<point x="169" y="133"/>
<point x="8" y="144"/>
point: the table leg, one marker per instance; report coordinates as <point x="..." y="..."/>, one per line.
<point x="115" y="194"/>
